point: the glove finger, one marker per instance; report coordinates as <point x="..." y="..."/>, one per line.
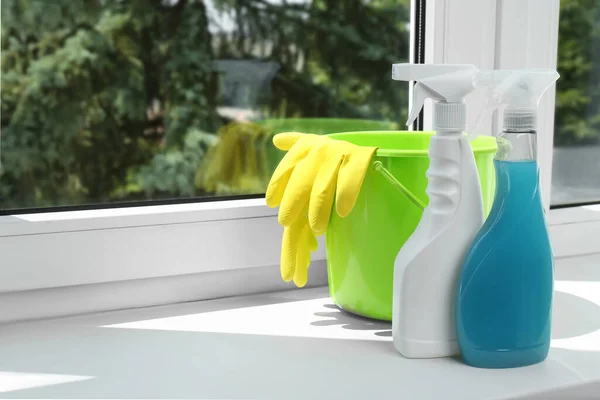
<point x="281" y="176"/>
<point x="297" y="194"/>
<point x="289" y="249"/>
<point x="284" y="141"/>
<point x="303" y="257"/>
<point x="350" y="178"/>
<point x="313" y="245"/>
<point x="323" y="192"/>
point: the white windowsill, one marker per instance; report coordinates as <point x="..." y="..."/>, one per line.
<point x="574" y="231"/>
<point x="292" y="344"/>
<point x="128" y="217"/>
<point x="173" y="253"/>
<point x="123" y="244"/>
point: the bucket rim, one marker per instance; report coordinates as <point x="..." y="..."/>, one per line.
<point x="317" y="119"/>
<point x="485" y="144"/>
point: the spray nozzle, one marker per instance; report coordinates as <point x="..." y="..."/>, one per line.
<point x="446" y="84"/>
<point x="520" y="91"/>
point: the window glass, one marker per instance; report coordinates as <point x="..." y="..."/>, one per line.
<point x="113" y="101"/>
<point x="576" y="159"/>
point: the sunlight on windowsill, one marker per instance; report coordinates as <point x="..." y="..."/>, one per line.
<point x="12" y="381"/>
<point x="317" y="318"/>
<point x="589" y="291"/>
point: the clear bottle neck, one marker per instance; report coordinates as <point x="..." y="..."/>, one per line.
<point x="517" y="146"/>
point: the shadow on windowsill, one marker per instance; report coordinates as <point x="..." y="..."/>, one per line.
<point x="346" y="320"/>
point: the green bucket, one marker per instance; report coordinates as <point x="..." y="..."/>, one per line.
<point x="319" y="126"/>
<point x="362" y="247"/>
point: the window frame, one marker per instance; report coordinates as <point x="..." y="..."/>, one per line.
<point x="157" y="246"/>
<point x="504" y="34"/>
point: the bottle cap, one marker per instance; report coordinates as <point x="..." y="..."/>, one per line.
<point x="519" y="119"/>
<point x="449" y="116"/>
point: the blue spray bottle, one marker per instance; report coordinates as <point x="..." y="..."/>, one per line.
<point x="504" y="303"/>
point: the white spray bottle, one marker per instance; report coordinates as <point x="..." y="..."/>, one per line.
<point x="427" y="267"/>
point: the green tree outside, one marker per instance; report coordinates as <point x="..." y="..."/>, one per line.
<point x="577" y="116"/>
<point x="110" y="100"/>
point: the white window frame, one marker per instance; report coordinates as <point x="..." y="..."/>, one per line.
<point x="504" y="34"/>
<point x="141" y="256"/>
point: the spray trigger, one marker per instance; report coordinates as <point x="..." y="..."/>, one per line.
<point x="489" y="105"/>
<point x="421" y="93"/>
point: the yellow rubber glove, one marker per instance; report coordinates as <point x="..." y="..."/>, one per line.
<point x="297" y="244"/>
<point x="304" y="186"/>
<point x="316" y="170"/>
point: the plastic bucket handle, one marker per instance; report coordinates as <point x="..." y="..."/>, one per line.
<point x="378" y="167"/>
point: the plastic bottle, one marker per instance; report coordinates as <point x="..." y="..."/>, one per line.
<point x="427" y="267"/>
<point x="504" y="299"/>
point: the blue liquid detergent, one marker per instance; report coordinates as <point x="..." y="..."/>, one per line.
<point x="504" y="303"/>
